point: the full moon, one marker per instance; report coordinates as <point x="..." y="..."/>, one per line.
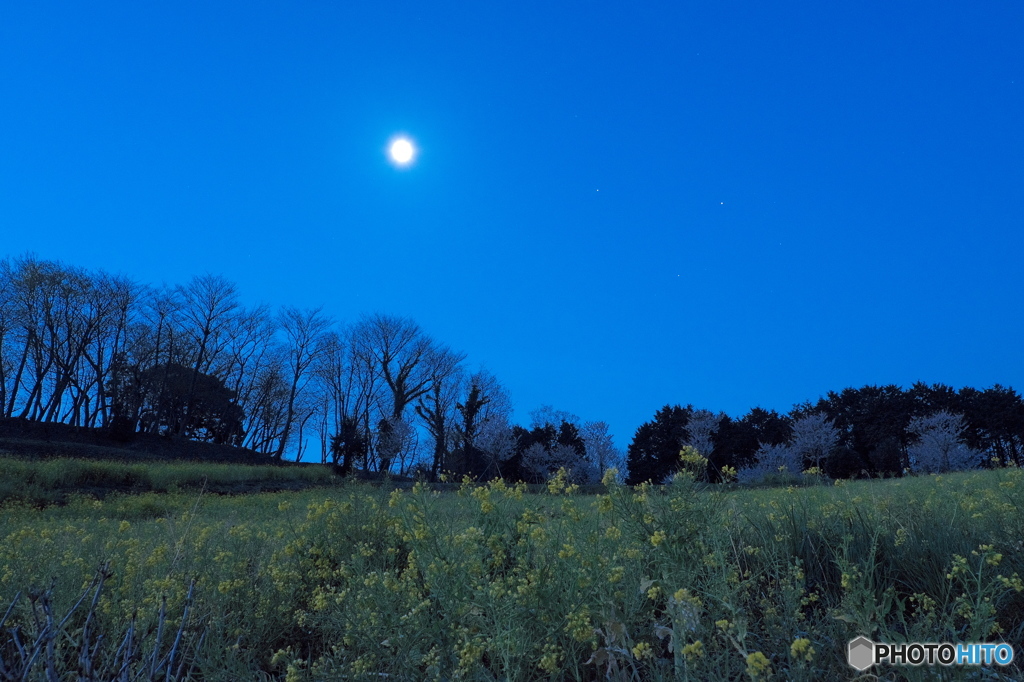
<point x="401" y="151"/>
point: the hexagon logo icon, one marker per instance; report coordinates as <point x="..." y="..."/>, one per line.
<point x="861" y="653"/>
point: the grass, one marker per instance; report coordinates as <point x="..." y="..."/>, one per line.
<point x="53" y="480"/>
<point x="493" y="583"/>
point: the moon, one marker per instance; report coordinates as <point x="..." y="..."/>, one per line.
<point x="401" y="151"/>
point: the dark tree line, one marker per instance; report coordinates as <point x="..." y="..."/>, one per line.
<point x="868" y="431"/>
<point x="97" y="350"/>
<point x="102" y="351"/>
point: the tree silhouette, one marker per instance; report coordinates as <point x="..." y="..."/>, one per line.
<point x="654" y="453"/>
<point x="175" y="399"/>
<point x="349" y="446"/>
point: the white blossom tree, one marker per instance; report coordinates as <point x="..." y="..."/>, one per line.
<point x="940" y="446"/>
<point x="396" y="441"/>
<point x="573" y="458"/>
<point x="542" y="461"/>
<point x="702" y="427"/>
<point x="814" y="439"/>
<point x="771" y="459"/>
<point x="496" y="439"/>
<point x="601" y="451"/>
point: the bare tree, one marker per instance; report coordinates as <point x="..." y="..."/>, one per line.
<point x="546" y="414"/>
<point x="304" y="336"/>
<point x="439" y="409"/>
<point x="396" y="441"/>
<point x="408" y="362"/>
<point x="118" y="298"/>
<point x="248" y="351"/>
<point x="7" y="326"/>
<point x="268" y="403"/>
<point x="154" y="338"/>
<point x="351" y="391"/>
<point x="35" y="307"/>
<point x="940" y="446"/>
<point x="400" y="351"/>
<point x="208" y="304"/>
<point x="53" y="312"/>
<point x="813" y="440"/>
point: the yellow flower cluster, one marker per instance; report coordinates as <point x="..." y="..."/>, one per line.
<point x="693" y="650"/>
<point x="801" y="649"/>
<point x="758" y="665"/>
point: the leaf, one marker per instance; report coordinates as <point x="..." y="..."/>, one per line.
<point x="614" y="630"/>
<point x="598" y="657"/>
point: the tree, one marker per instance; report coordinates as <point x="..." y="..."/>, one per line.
<point x="933" y="398"/>
<point x="439" y="409"/>
<point x="548" y="447"/>
<point x="350" y="389"/>
<point x="395" y="438"/>
<point x="208" y="303"/>
<point x="496" y="442"/>
<point x="176" y="401"/>
<point x="467" y="458"/>
<point x="771" y="459"/>
<point x="407" y="360"/>
<point x="6" y="327"/>
<point x="349" y="445"/>
<point x="814" y="439"/>
<point x="119" y="298"/>
<point x="770" y="426"/>
<point x="269" y="403"/>
<point x="940" y="446"/>
<point x="249" y="350"/>
<point x="737" y="440"/>
<point x="539" y="461"/>
<point x="601" y="451"/>
<point x="547" y="415"/>
<point x="654" y="453"/>
<point x="872" y="421"/>
<point x="399" y="351"/>
<point x="304" y="336"/>
<point x="701" y="430"/>
<point x="57" y="316"/>
<point x="483" y="440"/>
<point x="995" y="422"/>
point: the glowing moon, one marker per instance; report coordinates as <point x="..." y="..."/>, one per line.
<point x="401" y="151"/>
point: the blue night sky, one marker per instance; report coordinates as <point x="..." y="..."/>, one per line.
<point x="615" y="205"/>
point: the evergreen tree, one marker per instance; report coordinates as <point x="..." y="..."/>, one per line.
<point x="654" y="453"/>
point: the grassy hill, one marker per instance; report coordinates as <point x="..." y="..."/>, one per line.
<point x="32" y="439"/>
<point x="43" y="464"/>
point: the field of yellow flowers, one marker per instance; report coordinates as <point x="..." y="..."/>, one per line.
<point x="683" y="581"/>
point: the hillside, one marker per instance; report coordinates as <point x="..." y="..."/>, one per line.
<point x="30" y="439"/>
